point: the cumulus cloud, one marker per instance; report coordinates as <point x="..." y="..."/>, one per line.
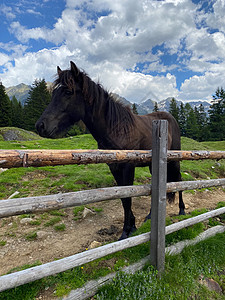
<point x="125" y="43"/>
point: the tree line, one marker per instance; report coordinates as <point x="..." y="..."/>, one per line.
<point x="194" y="123"/>
<point x="199" y="125"/>
<point x="14" y="114"/>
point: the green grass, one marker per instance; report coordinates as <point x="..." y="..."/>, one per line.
<point x="60" y="227"/>
<point x="51" y="180"/>
<point x="31" y="236"/>
<point x="52" y="221"/>
<point x="179" y="277"/>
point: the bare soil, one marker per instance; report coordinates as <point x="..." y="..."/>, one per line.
<point x="78" y="235"/>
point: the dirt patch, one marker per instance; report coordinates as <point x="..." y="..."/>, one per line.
<point x="103" y="226"/>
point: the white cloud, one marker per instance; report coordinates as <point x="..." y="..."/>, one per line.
<point x="201" y="87"/>
<point x="111" y="46"/>
<point x="31" y="66"/>
<point x="7" y="11"/>
<point x="4" y="58"/>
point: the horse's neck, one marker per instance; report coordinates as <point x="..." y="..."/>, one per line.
<point x="98" y="125"/>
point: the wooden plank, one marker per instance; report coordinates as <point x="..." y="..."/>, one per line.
<point x="39" y="158"/>
<point x="91" y="287"/>
<point x="18" y="206"/>
<point x="19" y="278"/>
<point x="158" y="203"/>
<point x="194" y="220"/>
<point x="194" y="155"/>
<point x="192" y="185"/>
<point x="51" y="268"/>
<point x="178" y="247"/>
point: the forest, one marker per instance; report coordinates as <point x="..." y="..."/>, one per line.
<point x="194" y="123"/>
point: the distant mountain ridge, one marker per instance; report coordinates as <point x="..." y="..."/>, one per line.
<point x="21" y="92"/>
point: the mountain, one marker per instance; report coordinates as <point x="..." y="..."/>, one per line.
<point x="147" y="106"/>
<point x="20" y="91"/>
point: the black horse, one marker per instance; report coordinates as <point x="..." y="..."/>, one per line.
<point x="76" y="97"/>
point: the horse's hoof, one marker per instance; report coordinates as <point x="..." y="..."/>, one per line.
<point x="182" y="212"/>
<point x="127" y="234"/>
<point x="148" y="217"/>
<point x="123" y="236"/>
<point x="133" y="229"/>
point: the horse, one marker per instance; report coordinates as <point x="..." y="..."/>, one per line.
<point x="112" y="124"/>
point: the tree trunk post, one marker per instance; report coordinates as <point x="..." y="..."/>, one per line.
<point x="158" y="203"/>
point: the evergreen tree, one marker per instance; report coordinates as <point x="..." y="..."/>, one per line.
<point x="182" y="119"/>
<point x="191" y="127"/>
<point x="174" y="109"/>
<point x="156" y="108"/>
<point x="39" y="97"/>
<point x="17" y="113"/>
<point x="202" y="122"/>
<point x="134" y="109"/>
<point x="5" y="108"/>
<point x="217" y="116"/>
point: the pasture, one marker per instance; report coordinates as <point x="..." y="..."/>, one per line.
<point x="42" y="237"/>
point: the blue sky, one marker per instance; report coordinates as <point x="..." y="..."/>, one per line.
<point x="138" y="49"/>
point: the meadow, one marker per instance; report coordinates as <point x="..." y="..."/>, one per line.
<point x="183" y="271"/>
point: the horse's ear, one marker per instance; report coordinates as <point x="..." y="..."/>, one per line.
<point x="74" y="69"/>
<point x="59" y="71"/>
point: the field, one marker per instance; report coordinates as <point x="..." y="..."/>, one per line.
<point x="35" y="239"/>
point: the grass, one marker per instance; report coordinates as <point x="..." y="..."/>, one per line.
<point x="182" y="271"/>
<point x="180" y="281"/>
<point x="181" y="278"/>
<point x="31" y="236"/>
<point x="51" y="180"/>
<point x="52" y="221"/>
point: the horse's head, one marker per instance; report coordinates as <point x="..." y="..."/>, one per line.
<point x="66" y="106"/>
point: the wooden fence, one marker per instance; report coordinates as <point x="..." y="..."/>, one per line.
<point x="158" y="189"/>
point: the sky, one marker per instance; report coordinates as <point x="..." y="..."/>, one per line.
<point x="139" y="49"/>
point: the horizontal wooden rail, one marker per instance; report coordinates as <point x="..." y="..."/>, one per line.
<point x="40" y="158"/>
<point x="91" y="287"/>
<point x="18" y="206"/>
<point x="61" y="265"/>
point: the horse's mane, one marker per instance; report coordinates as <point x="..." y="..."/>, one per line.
<point x="119" y="117"/>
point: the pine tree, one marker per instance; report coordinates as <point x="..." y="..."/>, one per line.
<point x="134" y="109"/>
<point x="39" y="97"/>
<point x="174" y="109"/>
<point x="191" y="127"/>
<point x="202" y="122"/>
<point x="182" y="119"/>
<point x="5" y="108"/>
<point x="156" y="108"/>
<point x="217" y="116"/>
<point x="17" y="113"/>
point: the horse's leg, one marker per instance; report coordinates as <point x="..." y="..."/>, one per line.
<point x="174" y="175"/>
<point x="124" y="175"/>
<point x="149" y="215"/>
<point x="181" y="204"/>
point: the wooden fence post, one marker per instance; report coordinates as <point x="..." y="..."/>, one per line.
<point x="158" y="203"/>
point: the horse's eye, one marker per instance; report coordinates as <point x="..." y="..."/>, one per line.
<point x="68" y="92"/>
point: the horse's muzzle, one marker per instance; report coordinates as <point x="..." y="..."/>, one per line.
<point x="40" y="127"/>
